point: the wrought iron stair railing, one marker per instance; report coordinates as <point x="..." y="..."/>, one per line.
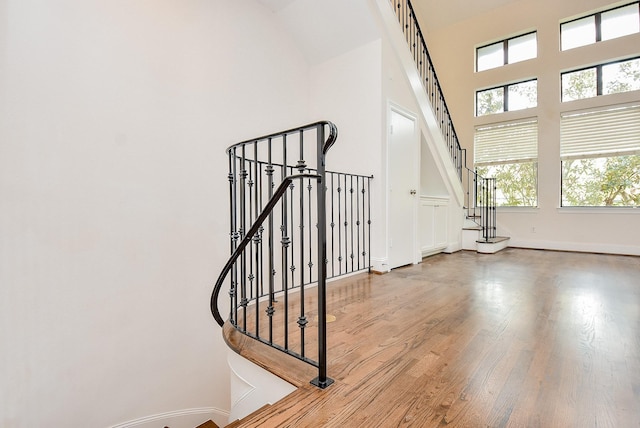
<point x="480" y="200"/>
<point x="481" y="208"/>
<point x="293" y="225"/>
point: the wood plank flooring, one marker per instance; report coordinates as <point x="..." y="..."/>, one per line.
<point x="522" y="338"/>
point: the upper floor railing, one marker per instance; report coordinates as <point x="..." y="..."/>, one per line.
<point x="293" y="225"/>
<point x="480" y="199"/>
<point x="418" y="47"/>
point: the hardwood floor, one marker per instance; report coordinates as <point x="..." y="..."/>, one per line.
<point x="522" y="338"/>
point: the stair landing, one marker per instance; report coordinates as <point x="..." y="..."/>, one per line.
<point x="492" y="245"/>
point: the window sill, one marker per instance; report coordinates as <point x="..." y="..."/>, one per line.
<point x="598" y="210"/>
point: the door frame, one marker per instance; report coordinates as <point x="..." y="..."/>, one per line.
<point x="415" y="146"/>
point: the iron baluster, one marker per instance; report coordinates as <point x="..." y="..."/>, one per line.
<point x="351" y="191"/>
<point x="310" y="231"/>
<point x="339" y="227"/>
<point x="285" y="245"/>
<point x="250" y="181"/>
<point x="243" y="224"/>
<point x="270" y="309"/>
<point x="346" y="228"/>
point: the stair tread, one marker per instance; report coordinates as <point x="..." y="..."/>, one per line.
<point x="472" y="228"/>
<point x="495" y="240"/>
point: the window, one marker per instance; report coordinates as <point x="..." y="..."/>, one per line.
<point x="607" y="25"/>
<point x="604" y="79"/>
<point x="509" y="152"/>
<point x="600" y="156"/>
<point x="515" y="96"/>
<point x="507" y="51"/>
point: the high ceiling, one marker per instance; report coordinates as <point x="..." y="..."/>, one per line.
<point x="276" y="5"/>
<point x="432" y="13"/>
<point x="321" y="33"/>
<point x="435" y="14"/>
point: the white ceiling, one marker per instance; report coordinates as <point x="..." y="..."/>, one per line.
<point x="435" y="14"/>
<point x="319" y="31"/>
<point x="276" y="5"/>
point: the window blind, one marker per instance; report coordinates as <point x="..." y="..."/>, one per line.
<point x="605" y="132"/>
<point x="506" y="143"/>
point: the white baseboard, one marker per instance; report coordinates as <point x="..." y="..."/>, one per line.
<point x="628" y="250"/>
<point x="185" y="418"/>
<point x="427" y="251"/>
<point x="380" y="265"/>
<point x="453" y="247"/>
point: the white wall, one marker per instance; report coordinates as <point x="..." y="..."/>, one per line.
<point x="452" y="48"/>
<point x="437" y="176"/>
<point x="347" y="90"/>
<point x="114" y="117"/>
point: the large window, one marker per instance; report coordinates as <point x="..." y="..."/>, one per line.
<point x="600" y="155"/>
<point x="601" y="26"/>
<point x="603" y="79"/>
<point x="515" y="96"/>
<point x="509" y="152"/>
<point x="507" y="51"/>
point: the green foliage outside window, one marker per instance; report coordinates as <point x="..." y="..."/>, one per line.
<point x="595" y="182"/>
<point x="621" y="77"/>
<point x="579" y="84"/>
<point x="617" y="77"/>
<point x="516" y="183"/>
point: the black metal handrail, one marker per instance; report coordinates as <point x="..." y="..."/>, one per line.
<point x="251" y="233"/>
<point x="326" y="145"/>
<point x="418" y="47"/>
<point x="261" y="277"/>
<point x="480" y="202"/>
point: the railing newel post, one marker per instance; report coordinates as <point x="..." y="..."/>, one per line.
<point x="322" y="381"/>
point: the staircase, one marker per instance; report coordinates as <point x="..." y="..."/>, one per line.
<point x="294" y="224"/>
<point x="479" y="227"/>
<point x="472" y="239"/>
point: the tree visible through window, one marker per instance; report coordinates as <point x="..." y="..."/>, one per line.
<point x="611" y="181"/>
<point x="603" y="79"/>
<point x="516" y="183"/>
<point x="509" y="152"/>
<point x="514" y="96"/>
<point x="600" y="154"/>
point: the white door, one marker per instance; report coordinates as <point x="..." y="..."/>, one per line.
<point x="402" y="190"/>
